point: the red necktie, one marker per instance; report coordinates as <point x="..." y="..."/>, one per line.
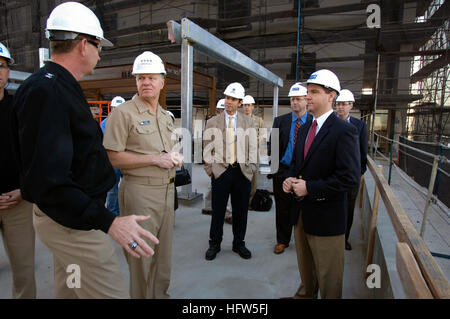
<point x="310" y="139"/>
<point x="297" y="125"/>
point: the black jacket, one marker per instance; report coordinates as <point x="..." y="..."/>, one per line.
<point x="362" y="132"/>
<point x="9" y="172"/>
<point x="63" y="166"/>
<point x="330" y="169"/>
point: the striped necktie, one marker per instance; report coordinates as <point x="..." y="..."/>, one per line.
<point x="310" y="139"/>
<point x="231" y="141"/>
<point x="297" y="125"/>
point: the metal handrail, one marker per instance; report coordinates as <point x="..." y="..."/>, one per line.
<point x="432" y="273"/>
<point x="435" y="168"/>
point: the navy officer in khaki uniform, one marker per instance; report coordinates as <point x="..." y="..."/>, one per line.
<point x="140" y="139"/>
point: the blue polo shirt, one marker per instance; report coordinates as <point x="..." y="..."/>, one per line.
<point x="287" y="157"/>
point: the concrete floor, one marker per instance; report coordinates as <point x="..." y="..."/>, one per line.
<point x="265" y="275"/>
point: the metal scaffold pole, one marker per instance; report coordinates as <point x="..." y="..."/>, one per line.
<point x="375" y="107"/>
<point x="191" y="37"/>
<point x="187" y="65"/>
<point x="430" y="194"/>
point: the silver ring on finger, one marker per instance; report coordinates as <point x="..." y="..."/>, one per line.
<point x="133" y="245"/>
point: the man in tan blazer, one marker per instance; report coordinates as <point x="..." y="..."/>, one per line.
<point x="249" y="106"/>
<point x="230" y="154"/>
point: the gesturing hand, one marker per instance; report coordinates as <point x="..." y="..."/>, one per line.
<point x="125" y="230"/>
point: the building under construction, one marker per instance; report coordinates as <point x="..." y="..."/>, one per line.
<point x="392" y="54"/>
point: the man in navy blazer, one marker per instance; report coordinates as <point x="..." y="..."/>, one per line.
<point x="325" y="166"/>
<point x="288" y="126"/>
<point x="344" y="103"/>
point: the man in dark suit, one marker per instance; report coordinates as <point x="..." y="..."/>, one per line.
<point x="230" y="160"/>
<point x="344" y="103"/>
<point x="325" y="166"/>
<point x="288" y="126"/>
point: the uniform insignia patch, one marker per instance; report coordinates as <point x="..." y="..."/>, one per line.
<point x="144" y="123"/>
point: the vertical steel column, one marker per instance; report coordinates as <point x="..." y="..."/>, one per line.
<point x="375" y="105"/>
<point x="187" y="65"/>
<point x="298" y="42"/>
<point x="275" y="101"/>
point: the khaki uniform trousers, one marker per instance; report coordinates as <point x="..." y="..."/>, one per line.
<point x="150" y="277"/>
<point x="94" y="253"/>
<point x="320" y="263"/>
<point x="16" y="226"/>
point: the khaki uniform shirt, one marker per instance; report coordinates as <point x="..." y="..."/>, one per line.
<point x="134" y="128"/>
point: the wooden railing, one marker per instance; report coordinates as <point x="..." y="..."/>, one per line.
<point x="421" y="276"/>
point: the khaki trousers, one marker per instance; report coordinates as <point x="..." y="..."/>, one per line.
<point x="94" y="253"/>
<point x="16" y="226"/>
<point x="320" y="263"/>
<point x="150" y="277"/>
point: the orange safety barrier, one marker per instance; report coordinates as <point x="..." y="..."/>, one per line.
<point x="100" y="109"/>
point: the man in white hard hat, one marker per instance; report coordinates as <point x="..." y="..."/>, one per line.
<point x="344" y="103"/>
<point x="139" y="141"/>
<point x="64" y="168"/>
<point x="231" y="169"/>
<point x="112" y="197"/>
<point x="248" y="105"/>
<point x="220" y="107"/>
<point x="325" y="166"/>
<point x="288" y="126"/>
<point x="16" y="213"/>
<point x="207" y="209"/>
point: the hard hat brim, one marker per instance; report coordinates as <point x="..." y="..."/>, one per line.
<point x="106" y="43"/>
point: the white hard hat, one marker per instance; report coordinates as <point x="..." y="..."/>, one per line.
<point x="220" y="104"/>
<point x="4" y="52"/>
<point x="345" y="96"/>
<point x="298" y="90"/>
<point x="235" y="90"/>
<point x="248" y="99"/>
<point x="73" y="18"/>
<point x="171" y="114"/>
<point x="116" y="101"/>
<point x="147" y="63"/>
<point x="325" y="78"/>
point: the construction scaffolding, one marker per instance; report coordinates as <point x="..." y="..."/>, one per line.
<point x="428" y="117"/>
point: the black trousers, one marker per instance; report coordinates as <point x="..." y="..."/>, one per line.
<point x="231" y="182"/>
<point x="283" y="204"/>
<point x="351" y="199"/>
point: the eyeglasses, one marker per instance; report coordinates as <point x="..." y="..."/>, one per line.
<point x="3" y="65"/>
<point x="95" y="44"/>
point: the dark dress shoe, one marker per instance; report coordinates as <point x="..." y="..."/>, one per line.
<point x="279" y="248"/>
<point x="212" y="252"/>
<point x="243" y="252"/>
<point x="206" y="211"/>
<point x="348" y="246"/>
<point x="229" y="220"/>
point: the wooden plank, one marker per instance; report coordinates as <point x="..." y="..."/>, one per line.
<point x="373" y="225"/>
<point x="412" y="280"/>
<point x="434" y="277"/>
